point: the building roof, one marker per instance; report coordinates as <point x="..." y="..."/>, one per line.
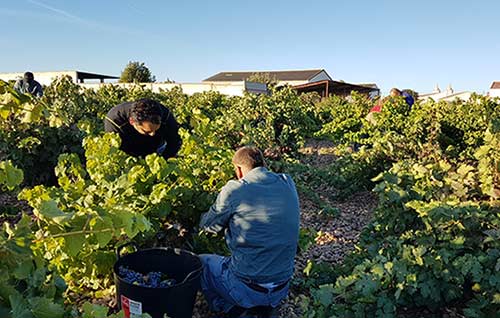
<point x="79" y="74"/>
<point x="495" y="85"/>
<point x="370" y="85"/>
<point x="334" y="87"/>
<point x="443" y="96"/>
<point x="297" y="75"/>
<point x="427" y="94"/>
<point x="86" y="75"/>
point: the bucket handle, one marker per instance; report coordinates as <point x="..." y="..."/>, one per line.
<point x="188" y="276"/>
<point x="121" y="247"/>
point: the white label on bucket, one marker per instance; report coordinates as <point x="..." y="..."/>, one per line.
<point x="135" y="308"/>
<point x="131" y="308"/>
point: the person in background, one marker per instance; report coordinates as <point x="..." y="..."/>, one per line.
<point x="145" y="126"/>
<point x="260" y="215"/>
<point x="28" y="85"/>
<point x="408" y="98"/>
<point x="393" y="93"/>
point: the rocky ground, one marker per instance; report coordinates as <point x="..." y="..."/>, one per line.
<point x="10" y="207"/>
<point x="339" y="233"/>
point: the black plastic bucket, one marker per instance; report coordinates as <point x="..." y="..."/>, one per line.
<point x="176" y="301"/>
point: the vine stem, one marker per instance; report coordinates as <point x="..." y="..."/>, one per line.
<point x="73" y="233"/>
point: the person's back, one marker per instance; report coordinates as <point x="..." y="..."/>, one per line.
<point x="260" y="215"/>
<point x="408" y="98"/>
<point x="28" y="85"/>
<point x="263" y="230"/>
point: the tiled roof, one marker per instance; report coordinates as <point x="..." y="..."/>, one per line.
<point x="296" y="75"/>
<point x="495" y="85"/>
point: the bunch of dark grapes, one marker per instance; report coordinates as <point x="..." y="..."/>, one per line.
<point x="152" y="279"/>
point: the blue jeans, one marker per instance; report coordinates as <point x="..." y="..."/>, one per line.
<point x="223" y="290"/>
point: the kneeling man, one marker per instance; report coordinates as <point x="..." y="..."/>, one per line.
<point x="260" y="215"/>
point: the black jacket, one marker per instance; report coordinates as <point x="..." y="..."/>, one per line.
<point x="139" y="145"/>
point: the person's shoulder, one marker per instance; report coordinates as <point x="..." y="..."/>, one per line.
<point x="120" y="113"/>
<point x="124" y="105"/>
<point x="285" y="177"/>
<point x="231" y="190"/>
<point x="121" y="108"/>
<point x="409" y="99"/>
<point x="165" y="111"/>
<point x="233" y="185"/>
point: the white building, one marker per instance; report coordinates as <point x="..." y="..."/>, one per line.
<point x="495" y="89"/>
<point x="447" y="95"/>
<point x="45" y="78"/>
<point x="293" y="78"/>
<point x="231" y="89"/>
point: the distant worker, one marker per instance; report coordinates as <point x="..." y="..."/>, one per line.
<point x="145" y="127"/>
<point x="28" y="85"/>
<point x="408" y="98"/>
<point x="393" y="93"/>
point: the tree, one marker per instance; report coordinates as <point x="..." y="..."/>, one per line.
<point x="263" y="77"/>
<point x="136" y="72"/>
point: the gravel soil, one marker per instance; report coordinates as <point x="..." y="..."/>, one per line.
<point x="10" y="207"/>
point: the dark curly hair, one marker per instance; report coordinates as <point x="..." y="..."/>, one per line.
<point x="146" y="110"/>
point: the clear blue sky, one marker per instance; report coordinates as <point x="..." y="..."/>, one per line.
<point x="405" y="44"/>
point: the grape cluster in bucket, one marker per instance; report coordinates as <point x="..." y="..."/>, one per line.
<point x="151" y="279"/>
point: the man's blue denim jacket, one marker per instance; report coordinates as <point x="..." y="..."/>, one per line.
<point x="260" y="214"/>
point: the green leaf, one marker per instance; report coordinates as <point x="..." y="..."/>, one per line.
<point x="50" y="212"/>
<point x="38" y="277"/>
<point x="45" y="308"/>
<point x="378" y="270"/>
<point x="142" y="223"/>
<point x="73" y="243"/>
<point x="496" y="298"/>
<point x="418" y="252"/>
<point x="10" y="176"/>
<point x="324" y="294"/>
<point x="482" y="151"/>
<point x="103" y="238"/>
<point x="463" y="170"/>
<point x="397" y="294"/>
<point x="19" y="307"/>
<point x="367" y="286"/>
<point x="459" y="240"/>
<point x="6" y="289"/>
<point x="104" y="230"/>
<point x="24" y="269"/>
<point x="388" y="267"/>
<point x="94" y="311"/>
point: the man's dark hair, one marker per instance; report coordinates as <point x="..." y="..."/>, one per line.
<point x="396" y="91"/>
<point x="249" y="156"/>
<point x="146" y="110"/>
<point x="29" y="76"/>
